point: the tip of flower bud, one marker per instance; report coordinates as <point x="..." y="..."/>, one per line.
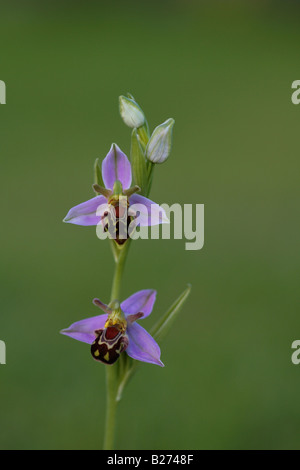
<point x="131" y="113"/>
<point x="160" y="143"/>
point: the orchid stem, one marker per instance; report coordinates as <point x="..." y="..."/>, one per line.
<point x="111" y="406"/>
<point x="112" y="371"/>
<point x="120" y="263"/>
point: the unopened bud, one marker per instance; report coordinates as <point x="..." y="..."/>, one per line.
<point x="131" y="113"/>
<point x="160" y="143"/>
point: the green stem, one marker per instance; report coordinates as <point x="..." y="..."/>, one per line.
<point x="111" y="406"/>
<point x="120" y="263"/>
<point x="112" y="371"/>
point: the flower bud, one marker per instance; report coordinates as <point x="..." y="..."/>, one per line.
<point x="160" y="143"/>
<point x="130" y="112"/>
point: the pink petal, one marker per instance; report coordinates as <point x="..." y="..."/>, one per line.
<point x="149" y="213"/>
<point x="88" y="212"/>
<point x="142" y="346"/>
<point x="141" y="301"/>
<point x="116" y="166"/>
<point x="84" y="330"/>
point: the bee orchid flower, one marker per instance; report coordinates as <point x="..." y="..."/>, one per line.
<point x="117" y="177"/>
<point x="116" y="331"/>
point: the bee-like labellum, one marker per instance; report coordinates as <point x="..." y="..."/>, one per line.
<point x="117" y="221"/>
<point x="109" y="344"/>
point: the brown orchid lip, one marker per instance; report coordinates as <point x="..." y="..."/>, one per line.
<point x="109" y="344"/>
<point x="112" y="340"/>
<point x="111" y="332"/>
<point x="117" y="220"/>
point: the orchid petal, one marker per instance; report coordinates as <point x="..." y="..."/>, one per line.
<point x="84" y="330"/>
<point x="116" y="166"/>
<point x="141" y="301"/>
<point x="86" y="213"/>
<point x="142" y="346"/>
<point x="149" y="213"/>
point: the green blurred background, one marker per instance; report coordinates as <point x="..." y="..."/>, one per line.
<point x="223" y="71"/>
